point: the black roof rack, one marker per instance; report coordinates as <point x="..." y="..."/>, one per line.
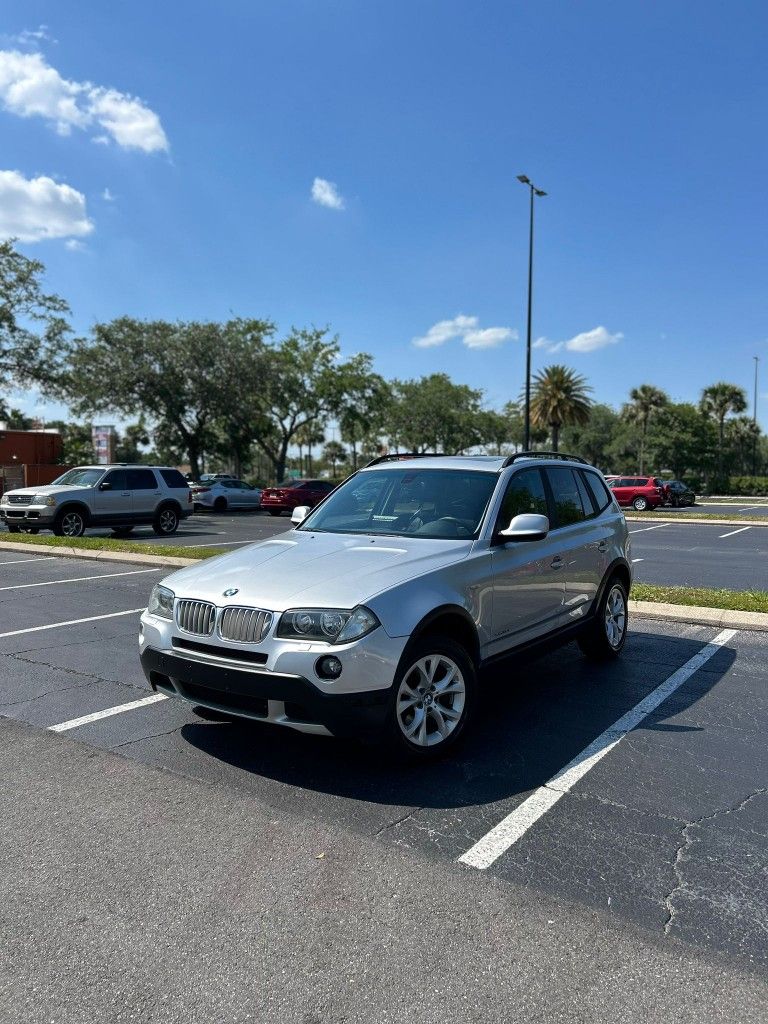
<point x="394" y="456"/>
<point x="543" y="455"/>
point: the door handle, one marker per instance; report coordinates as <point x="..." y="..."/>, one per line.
<point x="125" y="494"/>
<point x="602" y="546"/>
<point x="557" y="562"/>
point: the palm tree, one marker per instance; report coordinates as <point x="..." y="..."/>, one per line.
<point x="559" y="397"/>
<point x="309" y="434"/>
<point x="644" y="402"/>
<point x="716" y="402"/>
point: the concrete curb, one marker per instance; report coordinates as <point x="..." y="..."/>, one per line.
<point x="721" y="617"/>
<point x="98" y="556"/>
<point x="680" y="520"/>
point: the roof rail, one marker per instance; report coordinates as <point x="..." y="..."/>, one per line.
<point x="394" y="456"/>
<point x="543" y="455"/>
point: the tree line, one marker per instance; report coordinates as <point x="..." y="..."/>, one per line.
<point x="236" y="395"/>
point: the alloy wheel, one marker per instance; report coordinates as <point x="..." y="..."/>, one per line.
<point x="615" y="616"/>
<point x="431" y="700"/>
<point x="72" y="524"/>
<point x="168" y="520"/>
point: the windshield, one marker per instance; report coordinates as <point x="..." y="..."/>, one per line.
<point x="80" y="477"/>
<point x="435" y="503"/>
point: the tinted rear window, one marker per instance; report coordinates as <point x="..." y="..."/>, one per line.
<point x="173" y="478"/>
<point x="599" y="491"/>
<point x="141" y="480"/>
<point x="565" y="491"/>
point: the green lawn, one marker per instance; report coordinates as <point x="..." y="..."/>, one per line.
<point x="107" y="544"/>
<point x="703" y="597"/>
<point x="666" y="513"/>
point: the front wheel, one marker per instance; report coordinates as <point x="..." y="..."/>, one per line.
<point x="69" y="524"/>
<point x="433" y="699"/>
<point x="640" y="504"/>
<point x="166" y="522"/>
<point x="606" y="634"/>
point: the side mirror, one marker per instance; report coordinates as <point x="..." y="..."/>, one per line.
<point x="299" y="514"/>
<point x="106" y="486"/>
<point x="528" y="526"/>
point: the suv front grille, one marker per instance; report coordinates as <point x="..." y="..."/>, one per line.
<point x="244" y="625"/>
<point x="20" y="499"/>
<point x="196" y="617"/>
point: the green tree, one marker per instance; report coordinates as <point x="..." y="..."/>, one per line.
<point x="682" y="440"/>
<point x="717" y="401"/>
<point x="308" y="436"/>
<point x="129" y="444"/>
<point x="559" y="397"/>
<point x="33" y="325"/>
<point x="366" y="397"/>
<point x="644" y="401"/>
<point x="334" y="453"/>
<point x="592" y="440"/>
<point x="77" y="446"/>
<point x="434" y="414"/>
<point x="15" y="418"/>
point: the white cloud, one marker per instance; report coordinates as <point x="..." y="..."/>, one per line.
<point x="107" y="196"/>
<point x="467" y="328"/>
<point x="74" y="245"/>
<point x="326" y="193"/>
<point x="31" y="37"/>
<point x="29" y="87"/>
<point x="488" y="337"/>
<point x="587" y="341"/>
<point x="38" y="208"/>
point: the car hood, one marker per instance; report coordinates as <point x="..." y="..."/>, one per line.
<point x="307" y="569"/>
<point x="51" y="489"/>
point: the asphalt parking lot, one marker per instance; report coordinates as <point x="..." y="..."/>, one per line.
<point x="656" y="842"/>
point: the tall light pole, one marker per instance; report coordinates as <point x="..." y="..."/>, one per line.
<point x="527" y="428"/>
<point x="754" y="421"/>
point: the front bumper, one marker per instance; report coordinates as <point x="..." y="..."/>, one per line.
<point x="27" y="515"/>
<point x="289" y="700"/>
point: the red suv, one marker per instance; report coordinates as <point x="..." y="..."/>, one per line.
<point x="292" y="493"/>
<point x="641" y="492"/>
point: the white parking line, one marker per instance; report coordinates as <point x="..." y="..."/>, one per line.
<point x="749" y="508"/>
<point x="80" y="579"/>
<point x="19" y="561"/>
<point x="516" y="824"/>
<point x="731" y="534"/>
<point x="70" y="622"/>
<point x="637" y="560"/>
<point x="643" y="529"/>
<point x="73" y="723"/>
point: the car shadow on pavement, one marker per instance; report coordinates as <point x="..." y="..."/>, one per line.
<point x="535" y="716"/>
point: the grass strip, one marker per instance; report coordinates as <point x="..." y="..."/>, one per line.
<point x="107" y="544"/>
<point x="667" y="513"/>
<point x="703" y="597"/>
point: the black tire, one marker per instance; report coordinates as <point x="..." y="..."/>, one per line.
<point x="220" y="505"/>
<point x="275" y="511"/>
<point x="166" y="521"/>
<point x="69" y="523"/>
<point x="601" y="641"/>
<point x="14" y="529"/>
<point x="121" y="531"/>
<point x="414" y="698"/>
<point x="640" y="504"/>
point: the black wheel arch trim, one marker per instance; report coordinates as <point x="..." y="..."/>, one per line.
<point x="74" y="506"/>
<point x="445" y="611"/>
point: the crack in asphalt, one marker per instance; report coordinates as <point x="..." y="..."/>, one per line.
<point x="677" y="865"/>
<point x="69" y="671"/>
<point x="398" y="821"/>
<point x="150" y="736"/>
<point x="31" y="700"/>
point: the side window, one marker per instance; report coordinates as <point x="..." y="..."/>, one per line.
<point x="565" y="491"/>
<point x="590" y="508"/>
<point x="117" y="479"/>
<point x="525" y="493"/>
<point x="141" y="480"/>
<point x="602" y="499"/>
<point x="173" y="478"/>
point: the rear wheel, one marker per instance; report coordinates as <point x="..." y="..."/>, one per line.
<point x="275" y="511"/>
<point x="220" y="505"/>
<point x="606" y="634"/>
<point x="640" y="504"/>
<point x="166" y="521"/>
<point x="69" y="523"/>
<point x="432" y="700"/>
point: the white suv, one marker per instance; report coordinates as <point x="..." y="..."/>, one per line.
<point x="377" y="613"/>
<point x="119" y="497"/>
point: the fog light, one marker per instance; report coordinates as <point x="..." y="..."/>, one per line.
<point x="328" y="667"/>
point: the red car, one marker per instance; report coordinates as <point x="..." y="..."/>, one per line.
<point x="293" y="493"/>
<point x="639" y="492"/>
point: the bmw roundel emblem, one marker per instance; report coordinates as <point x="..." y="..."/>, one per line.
<point x="231" y="592"/>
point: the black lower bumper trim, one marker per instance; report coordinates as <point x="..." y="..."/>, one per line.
<point x="246" y="692"/>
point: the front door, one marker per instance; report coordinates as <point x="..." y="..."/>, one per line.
<point x="113" y="502"/>
<point x="528" y="581"/>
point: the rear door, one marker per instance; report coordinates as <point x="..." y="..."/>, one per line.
<point x="528" y="583"/>
<point x="112" y="499"/>
<point x="145" y="493"/>
<point x="577" y="538"/>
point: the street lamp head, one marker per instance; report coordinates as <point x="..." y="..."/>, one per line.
<point x="539" y="192"/>
<point x="525" y="180"/>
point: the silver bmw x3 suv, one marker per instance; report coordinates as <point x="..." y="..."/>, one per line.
<point x="377" y="612"/>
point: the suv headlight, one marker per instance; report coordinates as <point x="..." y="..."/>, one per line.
<point x="333" y="625"/>
<point x="44" y="499"/>
<point x="161" y="602"/>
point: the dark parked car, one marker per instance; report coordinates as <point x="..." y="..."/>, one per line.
<point x="292" y="493"/>
<point x="677" y="494"/>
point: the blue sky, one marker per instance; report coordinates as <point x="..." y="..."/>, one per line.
<point x="645" y="123"/>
